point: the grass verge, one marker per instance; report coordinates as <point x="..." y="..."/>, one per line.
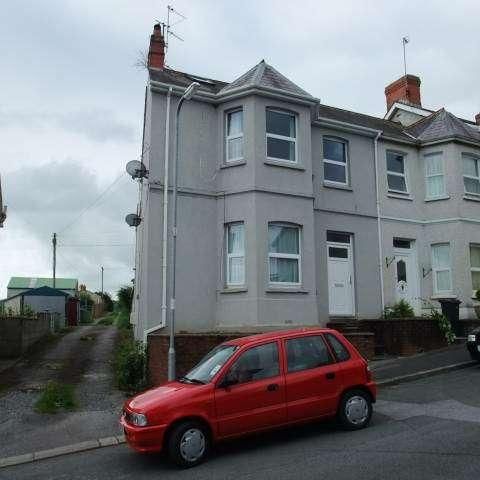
<point x="56" y="396"/>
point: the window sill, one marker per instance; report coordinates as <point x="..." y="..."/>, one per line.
<point x="283" y="163"/>
<point x="438" y="296"/>
<point x="233" y="163"/>
<point x="400" y="196"/>
<point x="435" y="199"/>
<point x="336" y="186"/>
<point x="471" y="197"/>
<point x="233" y="290"/>
<point x="273" y="289"/>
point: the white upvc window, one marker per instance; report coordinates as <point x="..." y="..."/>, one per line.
<point x="284" y="256"/>
<point x="471" y="174"/>
<point x="335" y="163"/>
<point x="396" y="172"/>
<point x="235" y="237"/>
<point x="281" y="132"/>
<point x="434" y="176"/>
<point x="234" y="135"/>
<point x="441" y="269"/>
<point x="475" y="266"/>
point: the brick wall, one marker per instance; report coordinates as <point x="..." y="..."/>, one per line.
<point x="190" y="348"/>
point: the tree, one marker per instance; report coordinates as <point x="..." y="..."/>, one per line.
<point x="107" y="301"/>
<point x="125" y="297"/>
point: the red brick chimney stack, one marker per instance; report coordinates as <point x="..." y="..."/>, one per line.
<point x="156" y="52"/>
<point x="406" y="89"/>
<point x="477" y="119"/>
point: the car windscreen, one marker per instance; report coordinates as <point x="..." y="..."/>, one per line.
<point x="211" y="364"/>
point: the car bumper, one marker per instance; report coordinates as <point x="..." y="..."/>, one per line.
<point x="144" y="439"/>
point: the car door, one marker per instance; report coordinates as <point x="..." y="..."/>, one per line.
<point x="312" y="382"/>
<point x="257" y="400"/>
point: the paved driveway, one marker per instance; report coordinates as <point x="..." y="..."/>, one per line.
<point x="81" y="357"/>
<point x="426" y="429"/>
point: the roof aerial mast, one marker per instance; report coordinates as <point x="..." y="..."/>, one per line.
<point x="176" y="17"/>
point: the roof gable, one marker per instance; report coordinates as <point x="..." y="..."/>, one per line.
<point x="265" y="76"/>
<point x="36" y="282"/>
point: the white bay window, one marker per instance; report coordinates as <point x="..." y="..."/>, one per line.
<point x="234" y="137"/>
<point x="441" y="269"/>
<point x="434" y="176"/>
<point x="475" y="266"/>
<point x="471" y="174"/>
<point x="281" y="134"/>
<point x="235" y="254"/>
<point x="396" y="172"/>
<point x="284" y="254"/>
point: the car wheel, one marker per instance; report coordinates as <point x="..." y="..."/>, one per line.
<point x="188" y="444"/>
<point x="355" y="410"/>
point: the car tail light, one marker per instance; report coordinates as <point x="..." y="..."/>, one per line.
<point x="368" y="373"/>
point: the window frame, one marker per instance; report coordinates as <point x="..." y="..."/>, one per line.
<point x="228" y="255"/>
<point x="298" y="256"/>
<point x="234" y="136"/>
<point x="428" y="196"/>
<point x="327" y="337"/>
<point x="282" y="137"/>
<point x="404" y="175"/>
<point x="436" y="270"/>
<point x="473" y="269"/>
<point x="336" y="162"/>
<point x="477" y="163"/>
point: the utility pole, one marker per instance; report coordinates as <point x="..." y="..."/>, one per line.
<point x="101" y="268"/>
<point x="54" y="244"/>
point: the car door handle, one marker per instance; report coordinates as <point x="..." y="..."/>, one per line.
<point x="272" y="387"/>
<point x="330" y="375"/>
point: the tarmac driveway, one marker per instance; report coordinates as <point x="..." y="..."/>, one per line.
<point x="81" y="357"/>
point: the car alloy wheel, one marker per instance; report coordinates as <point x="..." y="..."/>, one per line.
<point x="355" y="409"/>
<point x="192" y="445"/>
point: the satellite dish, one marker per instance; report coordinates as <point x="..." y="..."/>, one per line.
<point x="136" y="169"/>
<point x="133" y="220"/>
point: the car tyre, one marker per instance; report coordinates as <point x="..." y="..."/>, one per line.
<point x="188" y="444"/>
<point x="355" y="410"/>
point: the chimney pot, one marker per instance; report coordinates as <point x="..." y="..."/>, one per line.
<point x="156" y="52"/>
<point x="406" y="89"/>
<point x="477" y="119"/>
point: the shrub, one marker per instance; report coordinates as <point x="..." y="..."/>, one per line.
<point x="401" y="309"/>
<point x="477" y="294"/>
<point x="123" y="320"/>
<point x="130" y="365"/>
<point x="125" y="297"/>
<point x="443" y="324"/>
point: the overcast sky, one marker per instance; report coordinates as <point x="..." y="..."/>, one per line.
<point x="71" y="100"/>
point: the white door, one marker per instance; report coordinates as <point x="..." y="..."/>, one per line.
<point x="340" y="280"/>
<point x="406" y="278"/>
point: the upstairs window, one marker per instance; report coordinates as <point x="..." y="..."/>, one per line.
<point x="434" y="176"/>
<point x="335" y="161"/>
<point x="475" y="266"/>
<point x="441" y="267"/>
<point x="281" y="136"/>
<point x="234" y="139"/>
<point x="284" y="254"/>
<point x="471" y="174"/>
<point x="396" y="172"/>
<point x="235" y="254"/>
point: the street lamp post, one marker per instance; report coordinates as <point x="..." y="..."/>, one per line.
<point x="189" y="92"/>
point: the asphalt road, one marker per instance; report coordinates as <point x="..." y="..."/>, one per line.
<point x="428" y="429"/>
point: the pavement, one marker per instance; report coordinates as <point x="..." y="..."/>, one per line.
<point x="31" y="437"/>
<point x="424" y="429"/>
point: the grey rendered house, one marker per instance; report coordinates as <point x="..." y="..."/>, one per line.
<point x="292" y="212"/>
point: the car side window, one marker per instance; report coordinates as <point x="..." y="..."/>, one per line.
<point x="256" y="363"/>
<point x="307" y="352"/>
<point x="338" y="348"/>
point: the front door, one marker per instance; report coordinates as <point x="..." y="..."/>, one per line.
<point x="257" y="400"/>
<point x="406" y="277"/>
<point x="340" y="279"/>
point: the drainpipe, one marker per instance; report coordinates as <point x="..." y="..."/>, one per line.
<point x="379" y="226"/>
<point x="165" y="222"/>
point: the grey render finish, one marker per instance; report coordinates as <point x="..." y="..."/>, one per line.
<point x="256" y="191"/>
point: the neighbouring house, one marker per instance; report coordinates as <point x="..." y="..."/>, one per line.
<point x="97" y="307"/>
<point x="40" y="300"/>
<point x="292" y="212"/>
<point x="18" y="285"/>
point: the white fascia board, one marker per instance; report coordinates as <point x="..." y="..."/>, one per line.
<point x="346" y="127"/>
<point x="407" y="108"/>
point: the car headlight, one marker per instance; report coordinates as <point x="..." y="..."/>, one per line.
<point x="138" y="419"/>
<point x="471" y="338"/>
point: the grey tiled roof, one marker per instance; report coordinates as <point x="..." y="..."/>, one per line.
<point x="264" y="75"/>
<point x="182" y="79"/>
<point x="440" y="125"/>
<point x="389" y="128"/>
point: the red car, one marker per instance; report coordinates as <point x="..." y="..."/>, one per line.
<point x="253" y="384"/>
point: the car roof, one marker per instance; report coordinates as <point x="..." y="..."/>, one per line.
<point x="276" y="335"/>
